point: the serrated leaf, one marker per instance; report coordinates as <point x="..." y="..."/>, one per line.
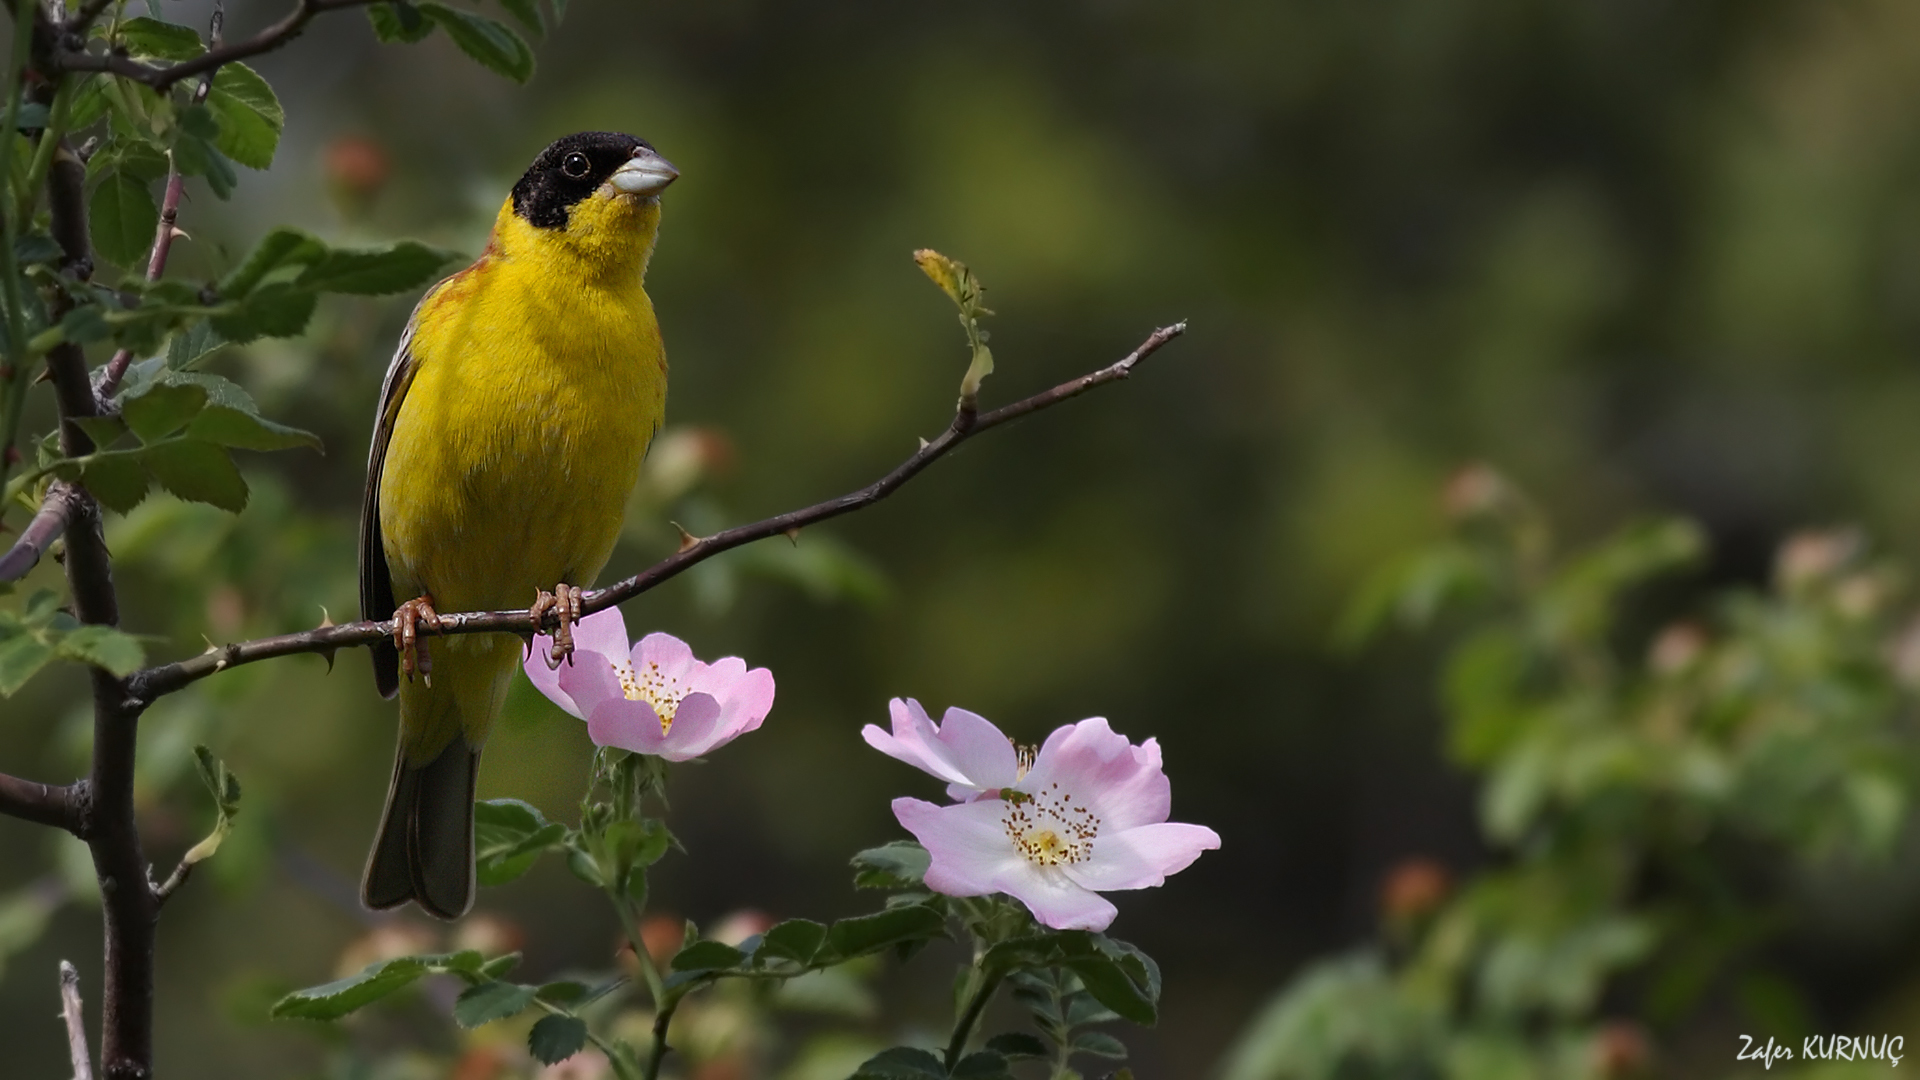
<point x="37" y="247"/>
<point x="162" y="409"/>
<point x="707" y="956"/>
<point x="562" y="992"/>
<point x="901" y="1063"/>
<point x="89" y="103"/>
<point x="795" y="939"/>
<point x="116" y="479"/>
<point x="508" y="837"/>
<point x="498" y="967"/>
<point x="491" y="43"/>
<point x="557" y="1038"/>
<point x="225" y="788"/>
<point x="398" y="23"/>
<point x="375" y="271"/>
<point x="250" y="116"/>
<point x="153" y="39"/>
<point x="278" y="250"/>
<point x="20" y="657"/>
<point x="275" y="310"/>
<point x="528" y="13"/>
<point x="232" y="419"/>
<point x="1017" y="1044"/>
<point x="864" y="934"/>
<point x="333" y="1000"/>
<point x="981" y="1065"/>
<point x="122" y="218"/>
<point x="198" y="471"/>
<point x="105" y="647"/>
<point x="103" y="430"/>
<point x="1099" y="1044"/>
<point x="491" y="1001"/>
<point x="84" y="324"/>
<point x="189" y="345"/>
<point x="900" y="864"/>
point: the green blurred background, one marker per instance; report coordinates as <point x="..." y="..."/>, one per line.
<point x="1640" y="254"/>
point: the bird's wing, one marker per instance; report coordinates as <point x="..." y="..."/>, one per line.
<point x="376" y="580"/>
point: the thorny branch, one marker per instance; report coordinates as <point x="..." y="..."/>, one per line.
<point x="146" y="686"/>
<point x="161" y="76"/>
<point x="55" y="511"/>
<point x="168" y="227"/>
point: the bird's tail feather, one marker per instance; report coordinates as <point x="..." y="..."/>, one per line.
<point x="424" y="851"/>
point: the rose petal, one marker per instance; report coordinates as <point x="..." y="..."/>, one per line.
<point x="629" y="725"/>
<point x="971" y="855"/>
<point x="982" y="751"/>
<point x="1060" y="902"/>
<point x="604" y="632"/>
<point x="694" y="730"/>
<point x="1121" y="784"/>
<point x="582" y="682"/>
<point x="1143" y="857"/>
<point x="966" y="749"/>
<point x="667" y="655"/>
<point x="546" y="679"/>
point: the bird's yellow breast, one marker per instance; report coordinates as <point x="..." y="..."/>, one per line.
<point x="539" y="379"/>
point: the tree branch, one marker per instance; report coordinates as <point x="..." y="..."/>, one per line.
<point x="44" y="804"/>
<point x="161" y="76"/>
<point x="47" y="525"/>
<point x="76" y="1019"/>
<point x="145" y="686"/>
<point x="167" y="229"/>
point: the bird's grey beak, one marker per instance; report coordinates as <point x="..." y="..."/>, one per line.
<point x="647" y="173"/>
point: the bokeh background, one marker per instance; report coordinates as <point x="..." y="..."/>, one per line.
<point x="1641" y="255"/>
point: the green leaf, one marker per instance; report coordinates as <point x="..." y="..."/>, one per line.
<point x="1099" y="1044"/>
<point x="156" y="40"/>
<point x="508" y="837"/>
<point x="122" y="218"/>
<point x="498" y="967"/>
<point x="398" y="23"/>
<point x="104" y="647"/>
<point x="250" y="116"/>
<point x="196" y="151"/>
<point x="864" y="934"/>
<point x="37" y="247"/>
<point x="707" y="956"/>
<point x="342" y="996"/>
<point x="1118" y="975"/>
<point x="85" y="323"/>
<point x="276" y="310"/>
<point x="557" y="1038"/>
<point x="982" y="1065"/>
<point x="20" y="656"/>
<point x="103" y="430"/>
<point x="281" y="249"/>
<point x="901" y="1063"/>
<point x="33" y="117"/>
<point x="375" y="271"/>
<point x="900" y="864"/>
<point x="562" y="992"/>
<point x="198" y="471"/>
<point x="225" y="788"/>
<point x="528" y="12"/>
<point x="189" y="345"/>
<point x="795" y="939"/>
<point x="491" y="1001"/>
<point x="232" y="419"/>
<point x="490" y="42"/>
<point x="89" y="103"/>
<point x="1017" y="1044"/>
<point x="162" y="408"/>
<point x="116" y="479"/>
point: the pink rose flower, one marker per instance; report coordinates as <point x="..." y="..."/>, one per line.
<point x="1087" y="816"/>
<point x="657" y="699"/>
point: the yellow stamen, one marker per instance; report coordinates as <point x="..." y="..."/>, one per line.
<point x="658" y="690"/>
<point x="1048" y="828"/>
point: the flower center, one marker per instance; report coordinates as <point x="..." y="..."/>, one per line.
<point x="1048" y="828"/>
<point x="663" y="692"/>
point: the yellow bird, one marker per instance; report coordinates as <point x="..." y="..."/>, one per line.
<point x="511" y="428"/>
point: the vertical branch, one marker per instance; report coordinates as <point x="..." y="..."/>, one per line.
<point x="128" y="906"/>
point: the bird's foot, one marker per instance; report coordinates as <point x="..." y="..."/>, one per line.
<point x="565" y="601"/>
<point x="408" y="620"/>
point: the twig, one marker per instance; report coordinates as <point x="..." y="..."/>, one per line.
<point x="161" y="76"/>
<point x="174" y="880"/>
<point x="76" y="1019"/>
<point x="41" y="532"/>
<point x="147" y="685"/>
<point x="44" y="804"/>
<point x="164" y="232"/>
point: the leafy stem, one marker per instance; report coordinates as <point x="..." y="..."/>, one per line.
<point x="982" y="980"/>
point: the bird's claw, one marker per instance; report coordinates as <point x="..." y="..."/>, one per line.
<point x="565" y="602"/>
<point x="408" y="620"/>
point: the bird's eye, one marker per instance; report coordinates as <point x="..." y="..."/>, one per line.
<point x="574" y="165"/>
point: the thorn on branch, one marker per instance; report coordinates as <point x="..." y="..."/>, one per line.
<point x="688" y="541"/>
